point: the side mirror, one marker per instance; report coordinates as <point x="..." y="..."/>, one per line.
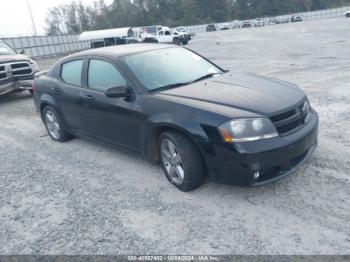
<point x="22" y="52"/>
<point x="118" y="92"/>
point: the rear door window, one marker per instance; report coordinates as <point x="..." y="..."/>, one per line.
<point x="71" y="72"/>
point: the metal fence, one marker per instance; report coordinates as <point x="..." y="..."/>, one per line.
<point x="42" y="46"/>
<point x="314" y="15"/>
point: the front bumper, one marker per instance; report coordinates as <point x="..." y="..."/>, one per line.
<point x="16" y="86"/>
<point x="274" y="158"/>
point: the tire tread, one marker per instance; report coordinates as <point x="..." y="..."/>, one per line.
<point x="191" y="158"/>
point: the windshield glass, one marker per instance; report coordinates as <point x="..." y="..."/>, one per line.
<point x="169" y="67"/>
<point x="6" y="50"/>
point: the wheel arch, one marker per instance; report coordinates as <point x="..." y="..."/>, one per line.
<point x="47" y="100"/>
<point x="151" y="147"/>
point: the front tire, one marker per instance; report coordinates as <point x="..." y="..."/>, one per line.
<point x="54" y="126"/>
<point x="177" y="41"/>
<point x="181" y="161"/>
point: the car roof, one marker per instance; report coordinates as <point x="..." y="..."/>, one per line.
<point x="122" y="50"/>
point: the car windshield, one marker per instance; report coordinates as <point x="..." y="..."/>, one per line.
<point x="6" y="50"/>
<point x="170" y="67"/>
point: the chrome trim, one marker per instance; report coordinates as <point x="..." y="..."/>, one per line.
<point x="250" y="139"/>
<point x="9" y="70"/>
<point x="16" y="85"/>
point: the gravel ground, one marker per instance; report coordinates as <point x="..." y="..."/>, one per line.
<point x="83" y="197"/>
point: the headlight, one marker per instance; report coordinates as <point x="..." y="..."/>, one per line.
<point x="306" y="107"/>
<point x="243" y="130"/>
<point x="34" y="65"/>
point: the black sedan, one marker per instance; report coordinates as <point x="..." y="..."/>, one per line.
<point x="176" y="107"/>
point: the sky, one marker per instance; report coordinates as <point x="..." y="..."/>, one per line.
<point x="15" y="19"/>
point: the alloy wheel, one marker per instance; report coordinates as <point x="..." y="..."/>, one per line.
<point x="172" y="162"/>
<point x="52" y="124"/>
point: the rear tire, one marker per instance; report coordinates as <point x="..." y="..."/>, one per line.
<point x="54" y="125"/>
<point x="181" y="161"/>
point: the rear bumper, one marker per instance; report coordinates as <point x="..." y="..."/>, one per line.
<point x="273" y="158"/>
<point x="16" y="86"/>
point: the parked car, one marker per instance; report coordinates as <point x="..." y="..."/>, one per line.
<point x="182" y="34"/>
<point x="259" y="22"/>
<point x="225" y="27"/>
<point x="166" y="36"/>
<point x="153" y="30"/>
<point x="16" y="70"/>
<point x="347" y="14"/>
<point x="184" y="30"/>
<point x="247" y="24"/>
<point x="236" y="24"/>
<point x="148" y="38"/>
<point x="282" y="20"/>
<point x="211" y="28"/>
<point x="181" y="29"/>
<point x="175" y="107"/>
<point x="272" y="21"/>
<point x="297" y="18"/>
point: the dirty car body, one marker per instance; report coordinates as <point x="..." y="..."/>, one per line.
<point x="248" y="130"/>
<point x="16" y="70"/>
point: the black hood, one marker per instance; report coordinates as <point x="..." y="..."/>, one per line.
<point x="241" y="91"/>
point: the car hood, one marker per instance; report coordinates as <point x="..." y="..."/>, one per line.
<point x="13" y="58"/>
<point x="247" y="92"/>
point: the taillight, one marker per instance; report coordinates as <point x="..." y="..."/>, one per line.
<point x="33" y="86"/>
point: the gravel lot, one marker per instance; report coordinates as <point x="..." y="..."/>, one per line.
<point x="83" y="197"/>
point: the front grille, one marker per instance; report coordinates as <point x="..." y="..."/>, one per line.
<point x="286" y="128"/>
<point x="22" y="72"/>
<point x="17" y="69"/>
<point x="2" y="72"/>
<point x="19" y="65"/>
<point x="289" y="121"/>
<point x="282" y="116"/>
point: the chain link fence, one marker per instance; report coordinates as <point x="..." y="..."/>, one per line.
<point x="314" y="15"/>
<point x="46" y="46"/>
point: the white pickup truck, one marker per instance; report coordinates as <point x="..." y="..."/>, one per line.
<point x="165" y="35"/>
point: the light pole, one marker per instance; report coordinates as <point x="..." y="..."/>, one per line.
<point x="31" y="17"/>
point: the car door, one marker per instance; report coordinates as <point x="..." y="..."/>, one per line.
<point x="67" y="92"/>
<point x="168" y="38"/>
<point x="115" y="120"/>
<point x="161" y="37"/>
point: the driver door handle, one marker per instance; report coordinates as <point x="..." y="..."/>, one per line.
<point x="89" y="98"/>
<point x="55" y="90"/>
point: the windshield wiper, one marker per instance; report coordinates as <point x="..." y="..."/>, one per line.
<point x="162" y="88"/>
<point x="205" y="77"/>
